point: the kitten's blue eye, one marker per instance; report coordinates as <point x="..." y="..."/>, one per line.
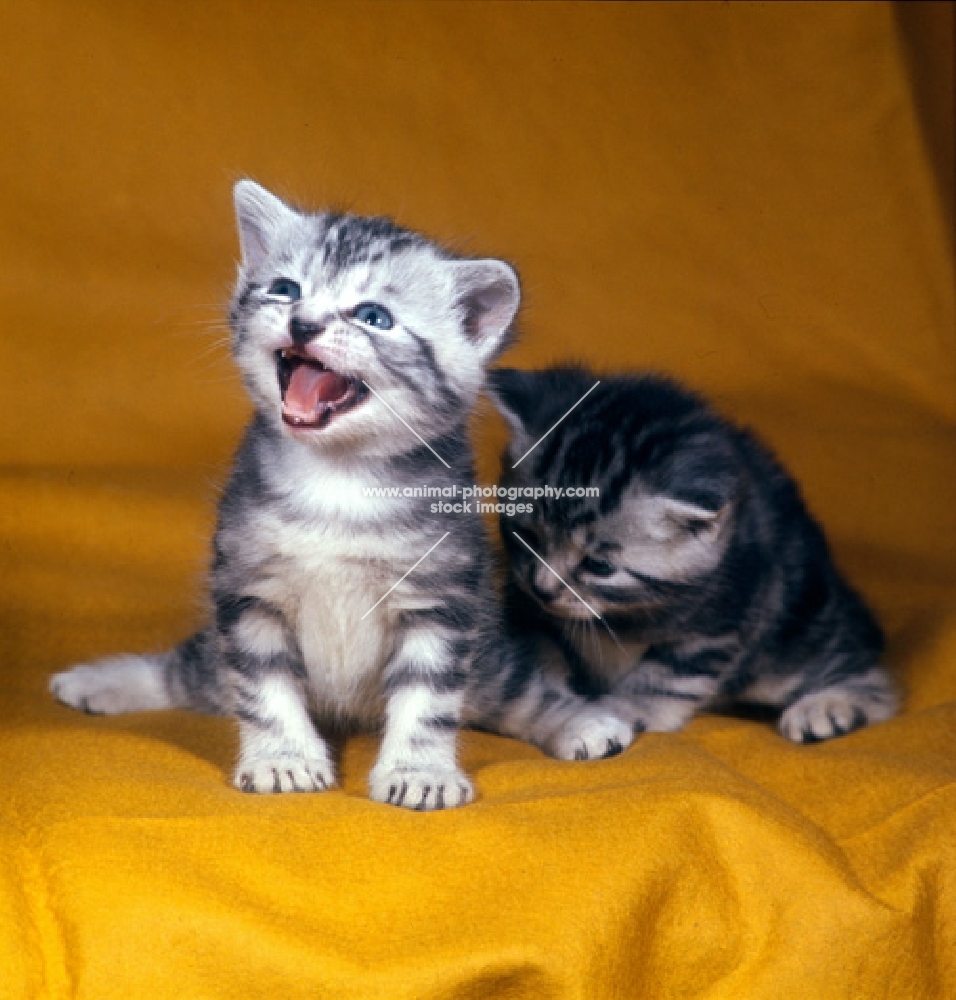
<point x="372" y="314"/>
<point x="597" y="567"/>
<point x="286" y="288"/>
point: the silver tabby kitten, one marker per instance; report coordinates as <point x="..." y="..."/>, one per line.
<point x="714" y="584"/>
<point x="357" y="341"/>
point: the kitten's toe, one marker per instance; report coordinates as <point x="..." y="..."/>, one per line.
<point x="591" y="734"/>
<point x="267" y="775"/>
<point x="423" y="790"/>
<point x="838" y="710"/>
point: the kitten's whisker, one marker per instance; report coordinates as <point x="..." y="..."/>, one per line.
<point x="217" y="347"/>
<point x="617" y="642"/>
<point x="595" y="638"/>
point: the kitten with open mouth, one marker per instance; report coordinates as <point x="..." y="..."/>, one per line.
<point x="312" y="393"/>
<point x="363" y="347"/>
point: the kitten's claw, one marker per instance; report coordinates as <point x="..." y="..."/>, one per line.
<point x="423" y="791"/>
<point x="614" y="747"/>
<point x="591" y="734"/>
<point x="267" y="775"/>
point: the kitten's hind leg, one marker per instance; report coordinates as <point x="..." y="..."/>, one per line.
<point x="840" y="707"/>
<point x="183" y="677"/>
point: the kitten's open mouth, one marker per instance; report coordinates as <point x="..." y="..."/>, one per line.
<point x="312" y="393"/>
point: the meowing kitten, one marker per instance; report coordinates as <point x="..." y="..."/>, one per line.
<point x="352" y="336"/>
<point x="713" y="582"/>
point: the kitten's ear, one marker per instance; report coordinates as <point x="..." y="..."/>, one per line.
<point x="685" y="518"/>
<point x="515" y="395"/>
<point x="260" y="216"/>
<point x="489" y="292"/>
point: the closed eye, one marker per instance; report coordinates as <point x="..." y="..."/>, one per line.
<point x="372" y="314"/>
<point x="597" y="567"/>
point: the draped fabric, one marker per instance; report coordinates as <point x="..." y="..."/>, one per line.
<point x="753" y="197"/>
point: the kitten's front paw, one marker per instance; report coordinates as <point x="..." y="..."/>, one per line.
<point x="420" y="789"/>
<point x="283" y="774"/>
<point x="590" y="734"/>
<point x="822" y="715"/>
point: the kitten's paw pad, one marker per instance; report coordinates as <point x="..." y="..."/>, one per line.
<point x="267" y="775"/>
<point x="591" y="734"/>
<point x="120" y="684"/>
<point x="823" y="715"/>
<point x="423" y="790"/>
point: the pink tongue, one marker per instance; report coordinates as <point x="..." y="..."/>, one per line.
<point x="309" y="388"/>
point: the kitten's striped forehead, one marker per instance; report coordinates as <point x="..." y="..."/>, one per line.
<point x="643" y="433"/>
<point x="348" y="240"/>
<point x="587" y="449"/>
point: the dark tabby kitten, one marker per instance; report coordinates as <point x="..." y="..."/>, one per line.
<point x="713" y="582"/>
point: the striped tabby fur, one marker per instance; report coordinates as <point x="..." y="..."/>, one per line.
<point x="714" y="583"/>
<point x="397" y="333"/>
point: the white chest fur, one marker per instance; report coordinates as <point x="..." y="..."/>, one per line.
<point x="328" y="583"/>
<point x="326" y="558"/>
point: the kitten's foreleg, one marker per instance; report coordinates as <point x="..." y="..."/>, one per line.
<point x="563" y="724"/>
<point x="417" y="766"/>
<point x="667" y="687"/>
<point x="528" y="698"/>
<point x="261" y="676"/>
<point x="825" y="707"/>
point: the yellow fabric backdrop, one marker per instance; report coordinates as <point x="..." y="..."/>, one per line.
<point x="745" y="194"/>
